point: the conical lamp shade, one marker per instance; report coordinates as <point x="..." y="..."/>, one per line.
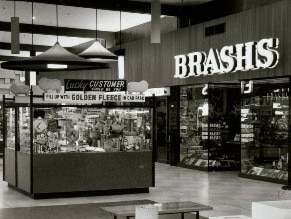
<point x="55" y="55"/>
<point x="97" y="52"/>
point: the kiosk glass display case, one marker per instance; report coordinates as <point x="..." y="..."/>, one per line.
<point x="89" y="129"/>
<point x="64" y="150"/>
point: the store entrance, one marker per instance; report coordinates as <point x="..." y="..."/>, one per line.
<point x="223" y="141"/>
<point x="210" y="127"/>
<point x="161" y="130"/>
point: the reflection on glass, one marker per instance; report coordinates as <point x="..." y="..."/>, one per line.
<point x="24" y="129"/>
<point x="193" y="126"/>
<point x="10" y="123"/>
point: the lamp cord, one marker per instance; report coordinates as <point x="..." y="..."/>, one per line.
<point x="32" y="26"/>
<point x="14" y="8"/>
<point x="57" y="21"/>
<point x="120" y="29"/>
<point x="96" y="23"/>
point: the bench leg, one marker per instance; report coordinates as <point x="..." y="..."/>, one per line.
<point x="182" y="215"/>
<point x="197" y="214"/>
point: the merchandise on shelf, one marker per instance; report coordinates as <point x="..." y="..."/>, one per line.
<point x="82" y="129"/>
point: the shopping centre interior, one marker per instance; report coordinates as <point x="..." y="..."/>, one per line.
<point x="144" y="102"/>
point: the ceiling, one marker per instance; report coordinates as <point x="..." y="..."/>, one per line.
<point x="76" y="20"/>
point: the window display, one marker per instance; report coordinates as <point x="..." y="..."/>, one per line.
<point x="209" y="127"/>
<point x="83" y="129"/>
<point x="193" y="122"/>
<point x="264" y="130"/>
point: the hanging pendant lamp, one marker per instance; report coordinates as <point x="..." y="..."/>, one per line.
<point x="96" y="52"/>
<point x="56" y="58"/>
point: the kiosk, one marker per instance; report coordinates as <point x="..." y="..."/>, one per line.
<point x="71" y="148"/>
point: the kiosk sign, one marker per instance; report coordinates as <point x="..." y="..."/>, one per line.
<point x="92" y="98"/>
<point x="95" y="85"/>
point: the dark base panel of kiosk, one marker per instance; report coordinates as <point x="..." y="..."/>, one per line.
<point x="262" y="178"/>
<point x="82" y="193"/>
<point x="82" y="174"/>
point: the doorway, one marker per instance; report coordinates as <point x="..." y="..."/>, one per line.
<point x="162" y="130"/>
<point x="210" y="126"/>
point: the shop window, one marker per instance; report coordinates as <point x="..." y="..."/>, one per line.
<point x="264" y="131"/>
<point x="209" y="127"/>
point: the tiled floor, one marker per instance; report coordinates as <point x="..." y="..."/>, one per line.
<point x="224" y="191"/>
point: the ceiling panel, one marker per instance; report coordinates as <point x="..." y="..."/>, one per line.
<point x="72" y="17"/>
<point x="82" y="17"/>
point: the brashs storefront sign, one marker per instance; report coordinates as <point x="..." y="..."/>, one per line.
<point x="240" y="57"/>
<point x="95" y="85"/>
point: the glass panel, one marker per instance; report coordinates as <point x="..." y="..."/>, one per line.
<point x="1" y="124"/>
<point x="10" y="123"/>
<point x="224" y="126"/>
<point x="264" y="129"/>
<point x="1" y="130"/>
<point x="70" y="129"/>
<point x="193" y="122"/>
<point x="24" y="129"/>
<point x="161" y="130"/>
<point x="209" y="126"/>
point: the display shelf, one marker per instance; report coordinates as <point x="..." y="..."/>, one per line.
<point x="263" y="178"/>
<point x="201" y="162"/>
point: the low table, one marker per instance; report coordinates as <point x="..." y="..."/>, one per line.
<point x="163" y="208"/>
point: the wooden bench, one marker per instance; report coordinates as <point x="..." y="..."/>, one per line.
<point x="128" y="211"/>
